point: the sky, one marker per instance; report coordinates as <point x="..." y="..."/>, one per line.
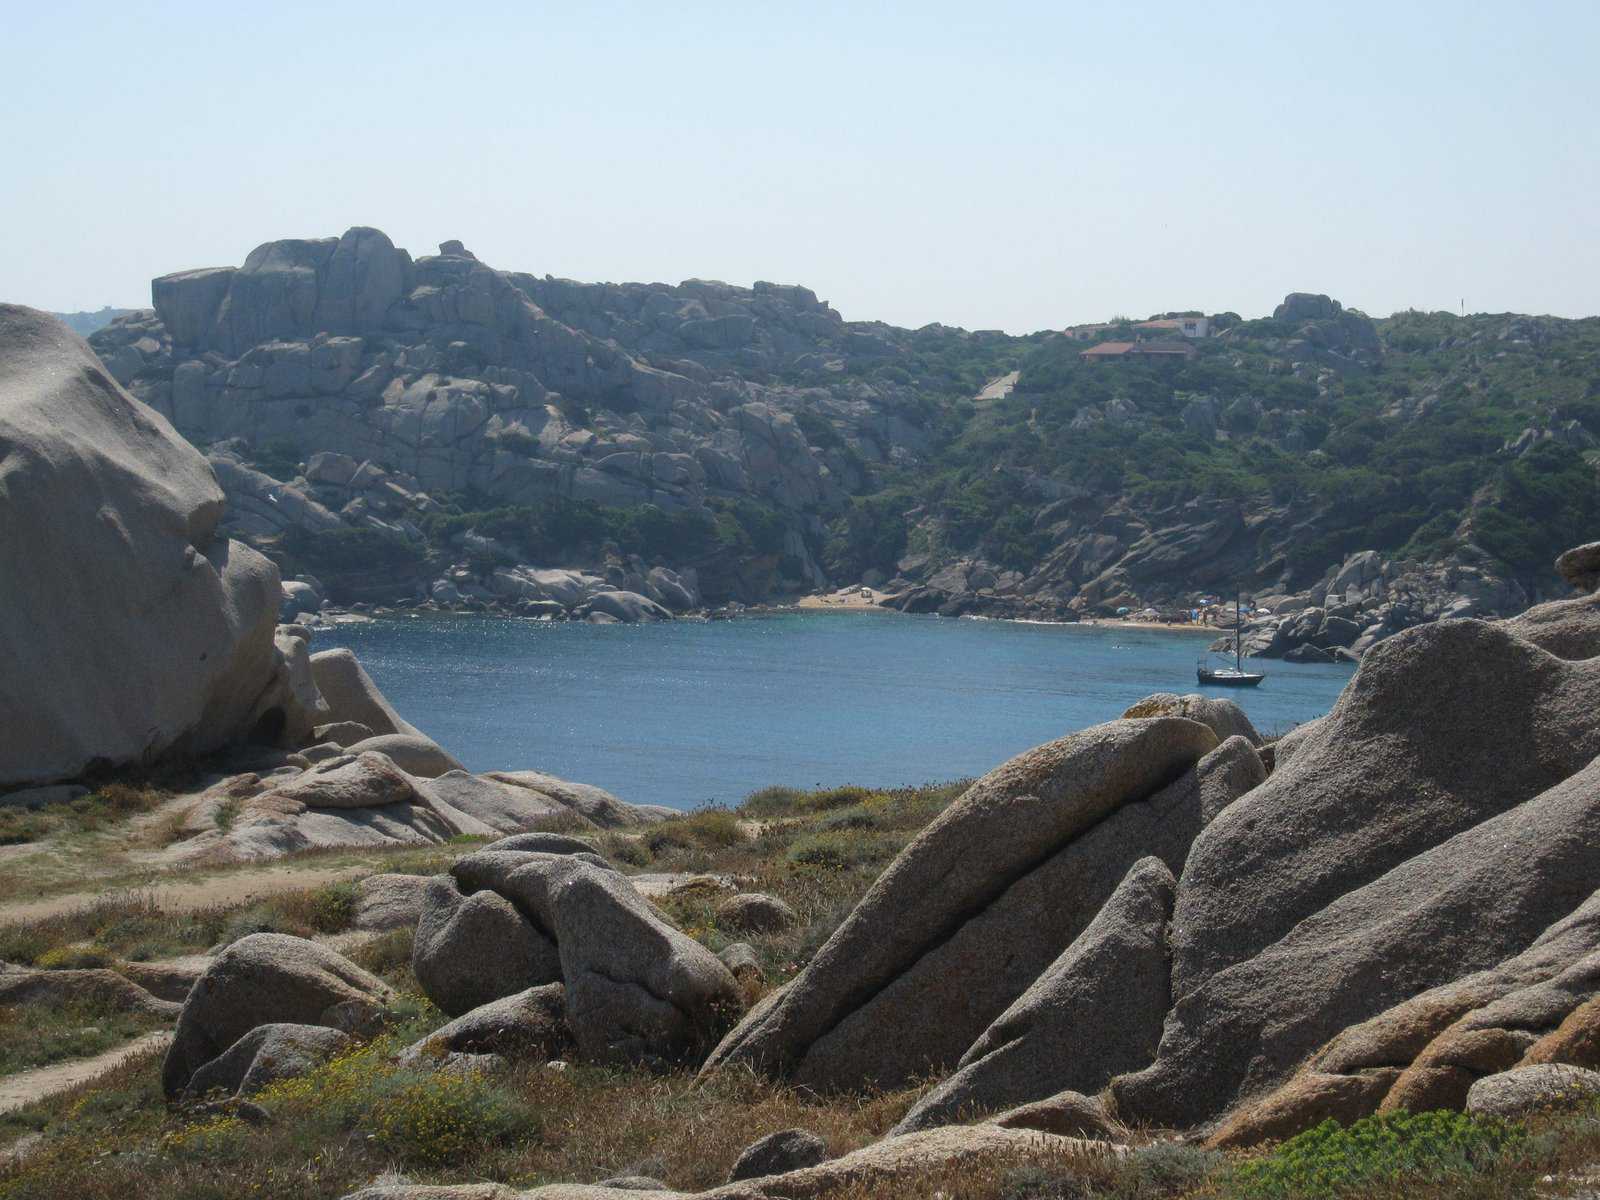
<point x="1004" y="165"/>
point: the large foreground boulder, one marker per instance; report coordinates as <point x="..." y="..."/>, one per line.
<point x="980" y="903"/>
<point x="1429" y="1050"/>
<point x="1444" y="726"/>
<point x="1096" y="1012"/>
<point x="128" y="628"/>
<point x="637" y="990"/>
<point x="1464" y="905"/>
<point x="263" y="979"/>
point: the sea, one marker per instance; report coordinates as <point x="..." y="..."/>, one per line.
<point x="692" y="713"/>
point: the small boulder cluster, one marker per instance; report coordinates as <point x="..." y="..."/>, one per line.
<point x="1368" y="599"/>
<point x="535" y="945"/>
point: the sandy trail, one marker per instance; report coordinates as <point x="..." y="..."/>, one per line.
<point x="999" y="389"/>
<point x="237" y="887"/>
<point x="29" y="1087"/>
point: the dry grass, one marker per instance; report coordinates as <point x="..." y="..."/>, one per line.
<point x="347" y="1124"/>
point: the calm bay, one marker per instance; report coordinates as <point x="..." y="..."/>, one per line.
<point x="692" y="712"/>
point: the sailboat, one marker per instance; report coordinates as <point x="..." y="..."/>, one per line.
<point x="1236" y="675"/>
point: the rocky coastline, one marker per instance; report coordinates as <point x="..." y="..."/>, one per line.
<point x="1161" y="929"/>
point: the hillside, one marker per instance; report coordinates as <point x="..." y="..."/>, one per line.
<point x="386" y="421"/>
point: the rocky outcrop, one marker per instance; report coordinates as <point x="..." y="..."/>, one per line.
<point x="1094" y="1013"/>
<point x="472" y="949"/>
<point x="265" y="1055"/>
<point x="890" y="1167"/>
<point x="21" y="986"/>
<point x="1368" y="599"/>
<point x="779" y="1153"/>
<point x="172" y="647"/>
<point x="1580" y="566"/>
<point x="1301" y="913"/>
<point x="1523" y="1091"/>
<point x="955" y="930"/>
<point x="755" y="912"/>
<point x="265" y="979"/>
<point x="462" y="377"/>
<point x="524" y="1025"/>
<point x="637" y="990"/>
<point x="1429" y="1049"/>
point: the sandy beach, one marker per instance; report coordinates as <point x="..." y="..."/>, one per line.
<point x="862" y="599"/>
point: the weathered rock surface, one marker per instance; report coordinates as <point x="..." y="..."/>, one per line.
<point x="779" y="1153"/>
<point x="1069" y="1114"/>
<point x="385" y="902"/>
<point x="367" y="780"/>
<point x="265" y="1055"/>
<point x="1224" y="718"/>
<point x="25" y="986"/>
<point x="591" y="803"/>
<point x="1580" y="566"/>
<point x="415" y="755"/>
<point x="528" y="1024"/>
<point x="755" y="912"/>
<point x="974" y="909"/>
<point x="1243" y="1028"/>
<point x="263" y="979"/>
<point x="545" y="843"/>
<point x="1516" y="722"/>
<point x="471" y="949"/>
<point x="884" y="1168"/>
<point x="1566" y="628"/>
<point x="1428" y="1050"/>
<point x="172" y="648"/>
<point x="1095" y="1012"/>
<point x="1520" y="1092"/>
<point x="353" y="697"/>
<point x="636" y="989"/>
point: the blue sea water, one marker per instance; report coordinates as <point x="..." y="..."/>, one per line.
<point x="693" y="712"/>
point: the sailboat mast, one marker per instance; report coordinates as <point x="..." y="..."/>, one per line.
<point x="1238" y="634"/>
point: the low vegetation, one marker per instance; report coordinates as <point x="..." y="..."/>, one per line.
<point x="363" y="1116"/>
<point x="103" y="808"/>
<point x="38" y="1035"/>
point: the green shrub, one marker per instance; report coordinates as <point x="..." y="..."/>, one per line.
<point x="1391" y="1148"/>
<point x="629" y="851"/>
<point x="327" y="909"/>
<point x="419" y="1116"/>
<point x="841" y="849"/>
<point x="388" y="955"/>
<point x="72" y="958"/>
<point x="707" y="828"/>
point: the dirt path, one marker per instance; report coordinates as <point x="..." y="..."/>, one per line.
<point x="29" y="1087"/>
<point x="999" y="389"/>
<point x="237" y="887"/>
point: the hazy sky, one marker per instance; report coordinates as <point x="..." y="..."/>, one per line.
<point x="1010" y="165"/>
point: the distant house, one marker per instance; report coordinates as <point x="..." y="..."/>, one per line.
<point x="1189" y="327"/>
<point x="1106" y="350"/>
<point x="1117" y="351"/>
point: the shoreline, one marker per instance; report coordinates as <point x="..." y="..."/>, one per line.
<point x="814" y="603"/>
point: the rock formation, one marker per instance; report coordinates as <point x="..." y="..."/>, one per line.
<point x="130" y="628"/>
